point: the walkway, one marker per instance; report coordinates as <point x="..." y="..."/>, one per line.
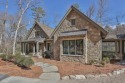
<point x="50" y="75"/>
<point x="50" y="72"/>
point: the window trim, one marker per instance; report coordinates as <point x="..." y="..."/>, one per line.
<point x="75" y="48"/>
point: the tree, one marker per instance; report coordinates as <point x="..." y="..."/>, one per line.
<point x="38" y="13"/>
<point x="76" y="5"/>
<point x="23" y="7"/>
<point x="91" y="10"/>
<point x="102" y="10"/>
<point x="3" y="24"/>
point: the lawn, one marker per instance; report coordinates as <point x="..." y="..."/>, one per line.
<point x="74" y="68"/>
<point x="14" y="70"/>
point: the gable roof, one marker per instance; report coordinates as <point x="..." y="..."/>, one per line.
<point x="44" y="27"/>
<point x="104" y="32"/>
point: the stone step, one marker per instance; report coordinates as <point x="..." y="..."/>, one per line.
<point x="50" y="76"/>
<point x="50" y="69"/>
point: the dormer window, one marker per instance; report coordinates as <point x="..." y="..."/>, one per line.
<point x="73" y="22"/>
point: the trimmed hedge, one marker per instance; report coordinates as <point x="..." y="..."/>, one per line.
<point x="20" y="60"/>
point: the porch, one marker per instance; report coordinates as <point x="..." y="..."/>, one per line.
<point x="34" y="47"/>
<point x="114" y="48"/>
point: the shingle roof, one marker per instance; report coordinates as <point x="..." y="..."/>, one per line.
<point x="46" y="28"/>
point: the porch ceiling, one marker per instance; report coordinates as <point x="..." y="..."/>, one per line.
<point x="74" y="33"/>
<point x="41" y="40"/>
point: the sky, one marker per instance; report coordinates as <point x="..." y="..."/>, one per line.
<point x="58" y="8"/>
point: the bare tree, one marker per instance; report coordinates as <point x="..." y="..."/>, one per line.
<point x="102" y="10"/>
<point x="91" y="10"/>
<point x="22" y="11"/>
<point x="3" y="24"/>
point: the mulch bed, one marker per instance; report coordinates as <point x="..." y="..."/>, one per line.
<point x="75" y="68"/>
<point x="14" y="70"/>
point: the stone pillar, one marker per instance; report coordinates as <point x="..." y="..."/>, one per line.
<point x="23" y="48"/>
<point x="116" y="50"/>
<point x="28" y="48"/>
<point x="33" y="49"/>
<point x="121" y="54"/>
<point x="86" y="55"/>
<point x="37" y="48"/>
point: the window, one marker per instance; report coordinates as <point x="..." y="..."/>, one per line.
<point x="73" y="22"/>
<point x="65" y="47"/>
<point x="73" y="47"/>
<point x="37" y="34"/>
<point x="79" y="47"/>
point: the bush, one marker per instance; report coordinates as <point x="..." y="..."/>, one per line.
<point x="24" y="62"/>
<point x="47" y="54"/>
<point x="106" y="59"/>
<point x="6" y="57"/>
<point x="3" y="56"/>
<point x="93" y="62"/>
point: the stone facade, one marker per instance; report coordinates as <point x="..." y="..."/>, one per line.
<point x="94" y="41"/>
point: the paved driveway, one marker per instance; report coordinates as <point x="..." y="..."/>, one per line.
<point x="114" y="79"/>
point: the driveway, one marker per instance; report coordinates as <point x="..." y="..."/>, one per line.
<point x="113" y="79"/>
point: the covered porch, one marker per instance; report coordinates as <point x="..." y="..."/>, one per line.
<point x="34" y="47"/>
<point x="114" y="48"/>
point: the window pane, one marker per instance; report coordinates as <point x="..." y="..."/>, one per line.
<point x="108" y="46"/>
<point x="72" y="47"/>
<point x="73" y="22"/>
<point x="79" y="47"/>
<point x="65" y="47"/>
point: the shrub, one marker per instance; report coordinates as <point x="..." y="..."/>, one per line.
<point x="23" y="61"/>
<point x="93" y="62"/>
<point x="26" y="62"/>
<point x="3" y="56"/>
<point x="47" y="54"/>
<point x="106" y="59"/>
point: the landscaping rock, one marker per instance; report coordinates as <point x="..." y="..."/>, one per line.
<point x="65" y="78"/>
<point x="72" y="77"/>
<point x="109" y="74"/>
<point x="115" y="72"/>
<point x="97" y="76"/>
<point x="123" y="69"/>
<point x="89" y="76"/>
<point x="103" y="75"/>
<point x="80" y="77"/>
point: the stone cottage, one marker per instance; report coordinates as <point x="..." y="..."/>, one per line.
<point x="76" y="38"/>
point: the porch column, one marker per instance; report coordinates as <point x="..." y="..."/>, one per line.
<point x="116" y="49"/>
<point x="23" y="48"/>
<point x="37" y="48"/>
<point x="33" y="49"/>
<point x="28" y="48"/>
<point x="121" y="54"/>
<point x="86" y="55"/>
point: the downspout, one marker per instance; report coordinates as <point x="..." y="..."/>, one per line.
<point x="86" y="57"/>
